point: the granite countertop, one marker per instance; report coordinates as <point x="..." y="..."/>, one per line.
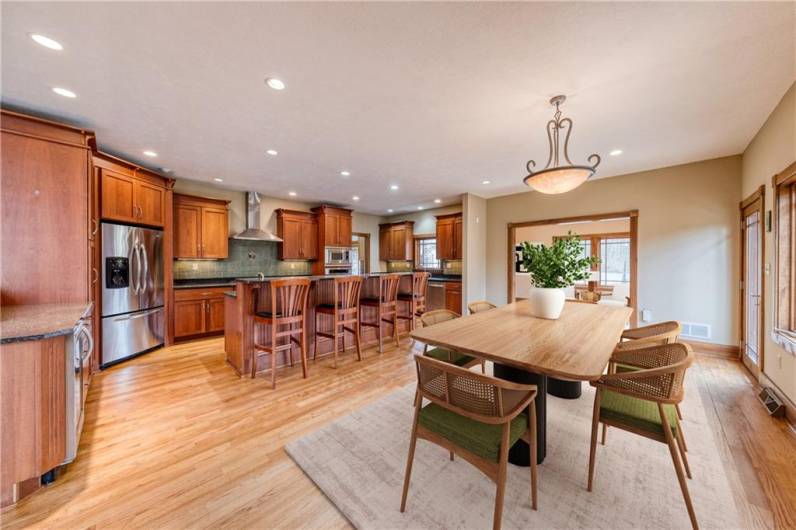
<point x="315" y="277"/>
<point x="39" y="321"/>
<point x="199" y="283"/>
<point x="445" y="278"/>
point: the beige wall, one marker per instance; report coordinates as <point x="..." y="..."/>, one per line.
<point x="769" y="152"/>
<point x="688" y="237"/>
<point x="474" y="227"/>
<point x="360" y="222"/>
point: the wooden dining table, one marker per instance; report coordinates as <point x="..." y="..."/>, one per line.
<point x="527" y="349"/>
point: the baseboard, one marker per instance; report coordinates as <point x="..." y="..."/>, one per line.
<point x="725" y="351"/>
<point x="790" y="406"/>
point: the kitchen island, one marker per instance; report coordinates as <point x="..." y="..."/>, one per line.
<point x="253" y="294"/>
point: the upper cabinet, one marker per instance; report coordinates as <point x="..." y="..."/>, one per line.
<point x="334" y="225"/>
<point x="201" y="227"/>
<point x="299" y="233"/>
<point x="396" y="241"/>
<point x="129" y="194"/>
<point x="449" y="236"/>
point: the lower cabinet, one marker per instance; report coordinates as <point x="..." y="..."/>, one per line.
<point x="199" y="311"/>
<point x="453" y="296"/>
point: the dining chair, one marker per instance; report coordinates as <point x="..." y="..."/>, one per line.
<point x="344" y="313"/>
<point x="475" y="416"/>
<point x="641" y="401"/>
<point x="416" y="300"/>
<point x="442" y="354"/>
<point x="286" y="317"/>
<point x="385" y="306"/>
<point x="481" y="305"/>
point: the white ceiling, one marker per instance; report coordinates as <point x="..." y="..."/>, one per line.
<point x="433" y="97"/>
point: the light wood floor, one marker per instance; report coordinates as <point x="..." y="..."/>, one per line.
<point x="174" y="439"/>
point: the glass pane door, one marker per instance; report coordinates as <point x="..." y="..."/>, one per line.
<point x="752" y="276"/>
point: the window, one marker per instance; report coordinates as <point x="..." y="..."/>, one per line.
<point x="785" y="239"/>
<point x="614" y="260"/>
<point x="426" y="253"/>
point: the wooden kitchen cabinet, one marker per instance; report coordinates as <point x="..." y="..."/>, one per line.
<point x="299" y="233"/>
<point x="453" y="296"/>
<point x="133" y="197"/>
<point x="334" y="224"/>
<point x="201" y="227"/>
<point x="396" y="241"/>
<point x="449" y="236"/>
<point x="199" y="311"/>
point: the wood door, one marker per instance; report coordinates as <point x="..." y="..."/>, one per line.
<point x="150" y="201"/>
<point x="215" y="233"/>
<point x="344" y="230"/>
<point x="453" y="297"/>
<point x="215" y="314"/>
<point x="444" y="239"/>
<point x="309" y="239"/>
<point x="118" y="197"/>
<point x="189" y="317"/>
<point x="457" y="237"/>
<point x="752" y="283"/>
<point x="187" y="231"/>
<point x="291" y="246"/>
<point x="331" y="230"/>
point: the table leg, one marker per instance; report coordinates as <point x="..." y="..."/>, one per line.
<point x="519" y="454"/>
<point x="564" y="389"/>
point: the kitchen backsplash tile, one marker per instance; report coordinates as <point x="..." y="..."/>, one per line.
<point x="399" y="266"/>
<point x="452" y="266"/>
<point x="246" y="258"/>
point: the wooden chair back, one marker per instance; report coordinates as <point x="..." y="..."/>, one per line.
<point x="437" y="316"/>
<point x="289" y="300"/>
<point x="480" y="305"/>
<point x="480" y="397"/>
<point x="660" y="333"/>
<point x="420" y="284"/>
<point x="388" y="289"/>
<point x="589" y="296"/>
<point x="658" y="375"/>
<point x="346" y="296"/>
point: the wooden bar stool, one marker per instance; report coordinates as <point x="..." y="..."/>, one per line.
<point x="416" y="300"/>
<point x="288" y="311"/>
<point x="386" y="306"/>
<point x="344" y="312"/>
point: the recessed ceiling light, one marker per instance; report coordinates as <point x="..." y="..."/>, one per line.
<point x="292" y="193"/>
<point x="437" y="201"/>
<point x="394" y="187"/>
<point x="486" y="182"/>
<point x="150" y="154"/>
<point x="47" y="42"/>
<point x="419" y="207"/>
<point x="64" y="92"/>
<point x="276" y="84"/>
<point x="345" y="173"/>
<point x="615" y="152"/>
<point x="355" y="198"/>
<point x="218" y="179"/>
<point x="390" y="210"/>
<point x="272" y="152"/>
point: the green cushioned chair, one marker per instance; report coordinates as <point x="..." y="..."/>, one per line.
<point x="475" y="416"/>
<point x="459" y="359"/>
<point x="448" y="356"/>
<point x="638" y="395"/>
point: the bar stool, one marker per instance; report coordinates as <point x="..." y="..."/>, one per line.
<point x="386" y="306"/>
<point x="344" y="311"/>
<point x="288" y="310"/>
<point x="416" y="300"/>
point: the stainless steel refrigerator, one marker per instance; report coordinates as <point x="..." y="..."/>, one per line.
<point x="133" y="318"/>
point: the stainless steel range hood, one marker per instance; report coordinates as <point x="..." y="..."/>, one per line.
<point x="253" y="231"/>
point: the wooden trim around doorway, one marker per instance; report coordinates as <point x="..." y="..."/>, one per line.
<point x="633" y="217"/>
<point x="759" y="197"/>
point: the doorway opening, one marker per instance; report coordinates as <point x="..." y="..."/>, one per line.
<point x="752" y="281"/>
<point x="361" y="242"/>
<point x="612" y="237"/>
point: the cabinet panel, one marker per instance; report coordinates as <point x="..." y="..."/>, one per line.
<point x="187" y="231"/>
<point x="150" y="201"/>
<point x="215" y="315"/>
<point x="457" y="237"/>
<point x="309" y="240"/>
<point x="384" y="244"/>
<point x="118" y="197"/>
<point x="344" y="230"/>
<point x="215" y="231"/>
<point x="189" y="318"/>
<point x="453" y="297"/>
<point x="291" y="246"/>
<point x="331" y="231"/>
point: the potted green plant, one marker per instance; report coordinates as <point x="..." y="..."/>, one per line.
<point x="552" y="268"/>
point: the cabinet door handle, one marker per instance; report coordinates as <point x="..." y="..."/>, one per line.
<point x="95" y="274"/>
<point x="96" y="227"/>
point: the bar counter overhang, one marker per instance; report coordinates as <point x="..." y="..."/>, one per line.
<point x="253" y="295"/>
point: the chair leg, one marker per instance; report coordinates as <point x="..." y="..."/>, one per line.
<point x="451" y="455"/>
<point x="681" y="441"/>
<point x="356" y="337"/>
<point x="395" y="327"/>
<point x="483" y="367"/>
<point x="290" y="349"/>
<point x="304" y="369"/>
<point x="501" y="478"/>
<point x="411" y="456"/>
<point x="681" y="447"/>
<point x="315" y="340"/>
<point x="273" y="369"/>
<point x="532" y="429"/>
<point x="679" y="414"/>
<point x="605" y="433"/>
<point x="254" y="364"/>
<point x="667" y="431"/>
<point x="334" y="340"/>
<point x="595" y="423"/>
<point x="381" y="346"/>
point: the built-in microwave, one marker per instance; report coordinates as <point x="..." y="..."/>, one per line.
<point x="338" y="256"/>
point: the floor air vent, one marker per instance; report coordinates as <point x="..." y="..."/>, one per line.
<point x="771" y="402"/>
<point x="693" y="330"/>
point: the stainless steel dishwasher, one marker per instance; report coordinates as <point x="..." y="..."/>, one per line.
<point x="436" y="296"/>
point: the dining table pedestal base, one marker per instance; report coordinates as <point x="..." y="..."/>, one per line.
<point x="520" y="452"/>
<point x="564" y="389"/>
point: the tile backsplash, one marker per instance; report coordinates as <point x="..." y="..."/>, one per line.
<point x="453" y="266"/>
<point x="399" y="266"/>
<point x="246" y="258"/>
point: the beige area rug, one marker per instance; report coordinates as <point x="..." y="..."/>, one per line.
<point x="358" y="462"/>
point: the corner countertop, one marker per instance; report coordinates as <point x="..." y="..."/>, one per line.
<point x="39" y="321"/>
<point x="201" y="283"/>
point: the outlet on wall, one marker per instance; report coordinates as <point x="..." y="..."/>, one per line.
<point x="646" y="315"/>
<point x="194" y="266"/>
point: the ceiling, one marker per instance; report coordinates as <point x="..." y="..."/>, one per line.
<point x="433" y="97"/>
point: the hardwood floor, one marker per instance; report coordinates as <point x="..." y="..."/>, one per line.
<point x="174" y="439"/>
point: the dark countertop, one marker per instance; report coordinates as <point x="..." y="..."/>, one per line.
<point x="444" y="278"/>
<point x="314" y="278"/>
<point x="39" y="321"/>
<point x="203" y="282"/>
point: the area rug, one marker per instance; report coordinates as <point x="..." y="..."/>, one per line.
<point x="358" y="462"/>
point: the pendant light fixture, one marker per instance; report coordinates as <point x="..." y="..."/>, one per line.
<point x="557" y="178"/>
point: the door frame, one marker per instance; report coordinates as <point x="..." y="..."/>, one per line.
<point x="631" y="214"/>
<point x="367" y="237"/>
<point x="759" y="197"/>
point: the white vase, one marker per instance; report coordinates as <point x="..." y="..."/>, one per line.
<point x="546" y="302"/>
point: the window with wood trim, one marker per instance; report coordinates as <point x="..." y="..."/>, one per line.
<point x="785" y="241"/>
<point x="614" y="253"/>
<point x="426" y="254"/>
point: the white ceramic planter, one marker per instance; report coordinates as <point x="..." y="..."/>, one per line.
<point x="546" y="303"/>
